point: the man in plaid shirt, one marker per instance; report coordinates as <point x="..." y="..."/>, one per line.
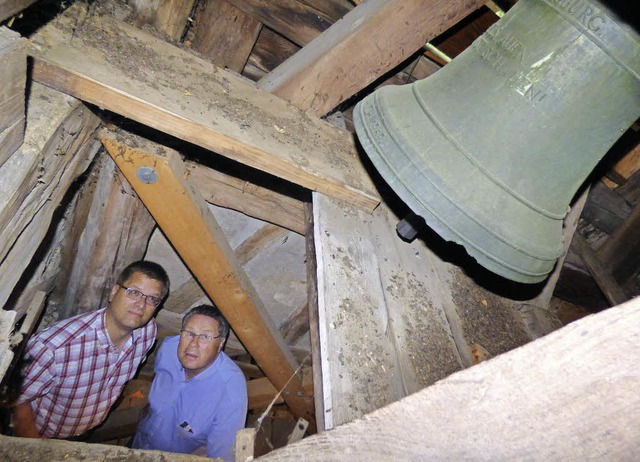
<point x="77" y="368"/>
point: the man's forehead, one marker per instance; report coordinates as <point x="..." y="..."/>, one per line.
<point x="203" y="322"/>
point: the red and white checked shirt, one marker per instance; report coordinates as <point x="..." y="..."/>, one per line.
<point x="74" y="373"/>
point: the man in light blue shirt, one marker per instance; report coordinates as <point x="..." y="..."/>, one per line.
<point x="199" y="395"/>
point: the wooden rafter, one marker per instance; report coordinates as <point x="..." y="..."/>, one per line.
<point x="371" y="39"/>
<point x="158" y="176"/>
<point x="169" y="89"/>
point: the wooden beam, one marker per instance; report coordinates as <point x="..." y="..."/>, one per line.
<point x="299" y="21"/>
<point x="224" y="33"/>
<point x="264" y="236"/>
<point x="166" y="16"/>
<point x="370" y="40"/>
<point x="9" y="8"/>
<point x="243" y="196"/>
<point x="35" y="180"/>
<point x="171" y="90"/>
<point x="158" y="176"/>
<point x="571" y="395"/>
<point x="609" y="286"/>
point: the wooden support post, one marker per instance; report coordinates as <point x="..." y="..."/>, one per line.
<point x="158" y="176"/>
<point x="245" y="440"/>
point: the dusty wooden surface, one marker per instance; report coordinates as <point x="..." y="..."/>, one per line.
<point x="395" y="317"/>
<point x="121" y="68"/>
<point x="14" y="449"/>
<point x="383" y="330"/>
<point x="572" y="395"/>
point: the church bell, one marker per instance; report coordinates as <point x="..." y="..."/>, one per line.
<point x="491" y="148"/>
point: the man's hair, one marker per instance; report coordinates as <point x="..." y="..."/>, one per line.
<point x="213" y="312"/>
<point x="148" y="268"/>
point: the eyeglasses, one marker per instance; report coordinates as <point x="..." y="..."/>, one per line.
<point x="207" y="338"/>
<point x="136" y="295"/>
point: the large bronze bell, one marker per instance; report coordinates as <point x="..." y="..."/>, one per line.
<point x="491" y="149"/>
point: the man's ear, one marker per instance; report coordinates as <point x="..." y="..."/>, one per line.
<point x="114" y="289"/>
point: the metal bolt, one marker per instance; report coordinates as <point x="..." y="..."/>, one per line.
<point x="147" y="175"/>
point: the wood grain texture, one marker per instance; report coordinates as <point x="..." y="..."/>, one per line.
<point x="120" y="68"/>
<point x="368" y="41"/>
<point x="571" y="395"/>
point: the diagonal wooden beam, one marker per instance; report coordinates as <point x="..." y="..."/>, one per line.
<point x="125" y="70"/>
<point x="370" y="40"/>
<point x="158" y="176"/>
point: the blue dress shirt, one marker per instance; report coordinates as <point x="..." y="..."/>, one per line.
<point x="185" y="415"/>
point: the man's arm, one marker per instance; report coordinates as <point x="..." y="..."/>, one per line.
<point x="24" y="423"/>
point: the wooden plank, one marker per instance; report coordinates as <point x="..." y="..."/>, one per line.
<point x="270" y="50"/>
<point x="109" y="228"/>
<point x="299" y="21"/>
<point x="194" y="100"/>
<point x="185" y="219"/>
<point x="266" y="235"/>
<point x="609" y="286"/>
<point x="224" y="33"/>
<point x="501" y="408"/>
<point x="382" y="326"/>
<point x="14" y="449"/>
<point x="245" y="441"/>
<point x="34" y="181"/>
<point x="13" y="74"/>
<point x="370" y="40"/>
<point x="261" y="393"/>
<point x="298" y="432"/>
<point x="9" y="8"/>
<point x="166" y="16"/>
<point x="246" y="197"/>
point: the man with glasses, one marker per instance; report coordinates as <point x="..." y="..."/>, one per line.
<point x="76" y="369"/>
<point x="198" y="397"/>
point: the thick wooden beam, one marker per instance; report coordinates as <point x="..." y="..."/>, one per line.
<point x="243" y="196"/>
<point x="158" y="176"/>
<point x="167" y="16"/>
<point x="224" y="33"/>
<point x="169" y="89"/>
<point x="610" y="288"/>
<point x="370" y="40"/>
<point x="571" y="395"/>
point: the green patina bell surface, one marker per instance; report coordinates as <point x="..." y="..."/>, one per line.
<point x="491" y="149"/>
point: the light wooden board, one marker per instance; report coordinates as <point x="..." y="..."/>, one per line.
<point x="125" y="70"/>
<point x="382" y="326"/>
<point x="572" y="395"/>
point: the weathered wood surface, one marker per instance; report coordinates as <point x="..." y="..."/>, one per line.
<point x="185" y="219"/>
<point x="58" y="147"/>
<point x="167" y="16"/>
<point x="395" y="317"/>
<point x="13" y="449"/>
<point x="125" y="70"/>
<point x="299" y="21"/>
<point x="248" y="198"/>
<point x="13" y="74"/>
<point x="224" y="33"/>
<point x="371" y="39"/>
<point x="572" y="395"/>
<point x="383" y="330"/>
<point x="109" y="229"/>
<point x="9" y="8"/>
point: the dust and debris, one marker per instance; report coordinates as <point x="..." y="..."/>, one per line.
<point x="487" y="319"/>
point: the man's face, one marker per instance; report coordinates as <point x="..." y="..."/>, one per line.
<point x="196" y="354"/>
<point x="129" y="314"/>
